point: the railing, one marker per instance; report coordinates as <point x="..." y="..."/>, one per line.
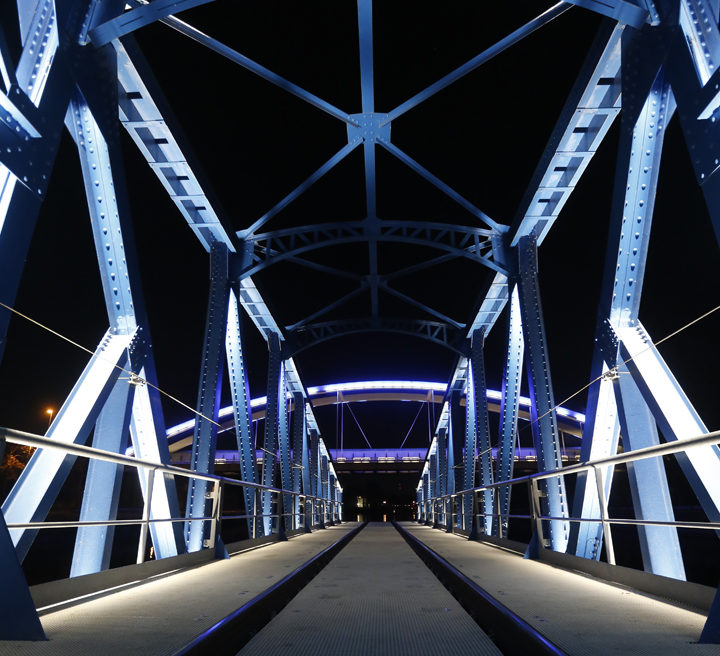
<point x="306" y="507"/>
<point x="446" y="509"/>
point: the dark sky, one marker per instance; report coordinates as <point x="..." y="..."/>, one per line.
<point x="483" y="136"/>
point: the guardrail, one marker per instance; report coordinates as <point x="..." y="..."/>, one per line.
<point x="439" y="510"/>
<point x="307" y="507"/>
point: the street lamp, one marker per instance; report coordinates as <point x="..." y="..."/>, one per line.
<point x="50" y="412"/>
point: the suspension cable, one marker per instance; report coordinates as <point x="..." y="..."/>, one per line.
<point x="412" y="426"/>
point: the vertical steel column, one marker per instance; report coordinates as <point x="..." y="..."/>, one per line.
<point x="202" y="454"/>
<point x="456" y="458"/>
<point x="93" y="544"/>
<point x="509" y="404"/>
<point x="482" y="427"/>
<point x="659" y="545"/>
<point x="275" y="405"/>
<point x="300" y="458"/>
<point x="611" y="405"/>
<point x="284" y="450"/>
<point x="542" y="411"/>
<point x="240" y="392"/>
<point x="442" y="469"/>
<point x="315" y="477"/>
<point x="325" y="488"/>
<point x="433" y="483"/>
<point x="98" y="143"/>
<point x="426" y="494"/>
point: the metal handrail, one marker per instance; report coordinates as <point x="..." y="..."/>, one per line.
<point x="329" y="507"/>
<point x="596" y="466"/>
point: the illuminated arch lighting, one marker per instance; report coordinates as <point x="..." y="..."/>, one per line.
<point x="180" y="436"/>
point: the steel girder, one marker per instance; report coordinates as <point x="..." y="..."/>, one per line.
<point x="276" y="405"/>
<point x="93" y="544"/>
<point x="300" y="468"/>
<point x="202" y="458"/>
<point x="542" y="409"/>
<point x="587" y="115"/>
<point x="270" y="248"/>
<point x="239" y="389"/>
<point x="39" y="483"/>
<point x="310" y="335"/>
<point x="509" y="404"/>
<point x="642" y="131"/>
<point x="477" y="405"/>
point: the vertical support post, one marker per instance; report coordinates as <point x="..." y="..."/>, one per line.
<point x="325" y="486"/>
<point x="456" y="440"/>
<point x="607" y="530"/>
<point x="482" y="427"/>
<point x="315" y="489"/>
<point x="542" y="410"/>
<point x="202" y="455"/>
<point x="285" y="503"/>
<point x="93" y="544"/>
<point x="272" y="411"/>
<point x="509" y="405"/>
<point x="301" y="471"/>
<point x="442" y="477"/>
<point x="659" y="545"/>
<point x="239" y="389"/>
<point x="433" y="482"/>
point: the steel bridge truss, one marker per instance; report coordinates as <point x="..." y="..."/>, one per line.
<point x="650" y="60"/>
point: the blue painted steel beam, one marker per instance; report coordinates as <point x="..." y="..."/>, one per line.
<point x="284" y="451"/>
<point x="314" y="461"/>
<point x="275" y="405"/>
<point x="675" y="415"/>
<point x="623" y="12"/>
<point x="300" y="468"/>
<point x="448" y="191"/>
<point x="93" y="544"/>
<point x="649" y="107"/>
<point x="542" y="410"/>
<point x="480" y="442"/>
<point x="480" y="59"/>
<point x="39" y="483"/>
<point x="328" y="308"/>
<point x="421" y="306"/>
<point x="461" y="241"/>
<point x="338" y="157"/>
<point x="99" y="152"/>
<point x="509" y="405"/>
<point x="240" y="392"/>
<point x="18" y="618"/>
<point x="202" y="455"/>
<point x="311" y="335"/>
<point x="659" y="545"/>
<point x="442" y="471"/>
<point x="139" y="17"/>
<point x="257" y="69"/>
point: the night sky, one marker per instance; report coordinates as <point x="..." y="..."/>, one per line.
<point x="255" y="143"/>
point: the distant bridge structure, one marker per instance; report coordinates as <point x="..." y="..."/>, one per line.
<point x="75" y="66"/>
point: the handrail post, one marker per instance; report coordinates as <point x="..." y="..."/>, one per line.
<point x="607" y="531"/>
<point x="474" y="520"/>
<point x="282" y="533"/>
<point x="450" y="516"/>
<point x="146" y="517"/>
<point x="536" y="541"/>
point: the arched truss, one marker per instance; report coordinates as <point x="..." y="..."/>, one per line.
<point x="305" y="336"/>
<point x="180" y="436"/>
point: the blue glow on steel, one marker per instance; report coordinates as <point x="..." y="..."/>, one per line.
<point x="369" y="386"/>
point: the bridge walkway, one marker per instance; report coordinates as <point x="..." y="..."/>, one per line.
<point x="375" y="597"/>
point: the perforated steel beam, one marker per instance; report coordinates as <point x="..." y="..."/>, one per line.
<point x="202" y="454"/>
<point x="239" y="389"/>
<point x="542" y="410"/>
<point x="509" y="405"/>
